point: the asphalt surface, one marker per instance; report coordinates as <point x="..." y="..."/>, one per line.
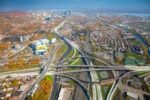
<point x="56" y="89"/>
<point x="41" y="76"/>
<point x="56" y="86"/>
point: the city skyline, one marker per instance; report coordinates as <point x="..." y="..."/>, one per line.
<point x="131" y="5"/>
<point x="74" y="50"/>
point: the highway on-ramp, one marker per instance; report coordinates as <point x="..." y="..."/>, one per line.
<point x="42" y="74"/>
<point x="69" y="43"/>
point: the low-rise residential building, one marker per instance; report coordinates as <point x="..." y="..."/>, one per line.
<point x="133" y="95"/>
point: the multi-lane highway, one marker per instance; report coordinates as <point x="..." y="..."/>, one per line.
<point x="72" y="44"/>
<point x="42" y="74"/>
<point x="56" y="86"/>
<point x="84" y="69"/>
<point x="82" y="86"/>
<point x="88" y="67"/>
<point x="95" y="87"/>
<point x="130" y="89"/>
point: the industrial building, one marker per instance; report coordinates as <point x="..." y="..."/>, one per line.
<point x="39" y="47"/>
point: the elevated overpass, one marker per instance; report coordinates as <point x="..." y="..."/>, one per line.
<point x="52" y="69"/>
<point x="79" y="83"/>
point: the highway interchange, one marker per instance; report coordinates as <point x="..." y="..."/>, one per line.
<point x="95" y="87"/>
<point x="57" y="71"/>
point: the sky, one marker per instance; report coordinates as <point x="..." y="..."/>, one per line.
<point x="9" y="5"/>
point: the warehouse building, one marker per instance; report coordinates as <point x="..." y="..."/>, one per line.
<point x="39" y="47"/>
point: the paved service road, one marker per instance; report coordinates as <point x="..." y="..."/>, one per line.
<point x="42" y="74"/>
